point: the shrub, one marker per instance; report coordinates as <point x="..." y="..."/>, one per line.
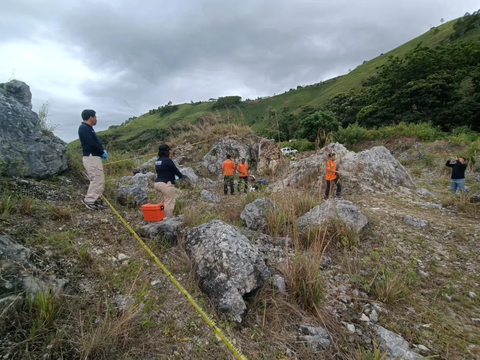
<point x="351" y="135"/>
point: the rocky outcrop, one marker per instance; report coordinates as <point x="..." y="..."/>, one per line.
<point x="373" y="170"/>
<point x="230" y="145"/>
<point x="342" y="210"/>
<point x="26" y="150"/>
<point x="19" y="276"/>
<point x="228" y="266"/>
<point x="254" y="215"/>
<point x="259" y="153"/>
<point x="133" y="190"/>
<point x="268" y="156"/>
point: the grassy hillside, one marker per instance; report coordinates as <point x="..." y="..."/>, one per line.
<point x="260" y="113"/>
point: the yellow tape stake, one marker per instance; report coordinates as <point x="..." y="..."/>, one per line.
<point x="238" y="354"/>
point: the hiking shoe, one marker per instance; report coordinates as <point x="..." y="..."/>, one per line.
<point x="89" y="206"/>
<point x="101" y="204"/>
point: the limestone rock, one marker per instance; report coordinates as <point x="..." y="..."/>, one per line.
<point x="394" y="344"/>
<point x="373" y="170"/>
<point x="425" y="192"/>
<point x="415" y="222"/>
<point x="189" y="175"/>
<point x="316" y="337"/>
<point x="167" y="229"/>
<point x="227" y="265"/>
<point x="232" y="146"/>
<point x="20" y="276"/>
<point x="254" y="215"/>
<point x="333" y="209"/>
<point x="209" y="197"/>
<point x="24" y="149"/>
<point x="133" y="190"/>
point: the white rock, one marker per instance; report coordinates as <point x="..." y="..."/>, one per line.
<point x="351" y="328"/>
<point x="423" y="348"/>
<point x="374" y="316"/>
<point x="122" y="257"/>
<point x="364" y="318"/>
<point x="472" y="295"/>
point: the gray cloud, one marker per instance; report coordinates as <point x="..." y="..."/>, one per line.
<point x="149" y="52"/>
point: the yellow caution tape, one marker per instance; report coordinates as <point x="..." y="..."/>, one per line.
<point x="238" y="354"/>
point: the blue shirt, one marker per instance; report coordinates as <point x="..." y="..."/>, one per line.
<point x="166" y="170"/>
<point x="90" y="141"/>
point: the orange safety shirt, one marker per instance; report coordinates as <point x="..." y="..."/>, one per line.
<point x="242" y="169"/>
<point x="228" y="167"/>
<point x="330" y="170"/>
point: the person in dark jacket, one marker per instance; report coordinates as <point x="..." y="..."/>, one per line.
<point x="458" y="174"/>
<point x="93" y="153"/>
<point x="165" y="182"/>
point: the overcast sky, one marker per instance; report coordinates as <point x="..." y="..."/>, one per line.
<point x="124" y="57"/>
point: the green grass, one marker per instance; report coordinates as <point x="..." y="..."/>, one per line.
<point x="150" y="129"/>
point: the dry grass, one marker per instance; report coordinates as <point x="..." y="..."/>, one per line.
<point x="305" y="280"/>
<point x="98" y="337"/>
<point x="390" y="287"/>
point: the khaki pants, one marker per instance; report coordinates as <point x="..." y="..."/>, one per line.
<point x="166" y="195"/>
<point x="93" y="166"/>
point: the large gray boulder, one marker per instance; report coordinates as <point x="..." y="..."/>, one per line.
<point x="24" y="149"/>
<point x="19" y="277"/>
<point x="373" y="170"/>
<point x="167" y="229"/>
<point x="227" y="265"/>
<point x="396" y="346"/>
<point x="254" y="215"/>
<point x="342" y="210"/>
<point x="133" y="190"/>
<point x="230" y="145"/>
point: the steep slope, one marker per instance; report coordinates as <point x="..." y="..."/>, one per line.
<point x="132" y="135"/>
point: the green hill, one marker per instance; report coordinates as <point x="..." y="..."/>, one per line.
<point x="261" y="113"/>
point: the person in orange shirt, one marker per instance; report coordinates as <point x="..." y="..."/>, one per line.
<point x="331" y="176"/>
<point x="228" y="170"/>
<point x="242" y="170"/>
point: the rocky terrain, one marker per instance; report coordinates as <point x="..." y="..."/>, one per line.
<point x="25" y="148"/>
<point x="389" y="271"/>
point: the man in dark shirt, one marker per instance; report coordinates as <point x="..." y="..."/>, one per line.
<point x="165" y="182"/>
<point x="93" y="153"/>
<point x="458" y="174"/>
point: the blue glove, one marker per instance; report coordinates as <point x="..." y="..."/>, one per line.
<point x="105" y="155"/>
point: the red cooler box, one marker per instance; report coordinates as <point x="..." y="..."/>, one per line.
<point x="153" y="212"/>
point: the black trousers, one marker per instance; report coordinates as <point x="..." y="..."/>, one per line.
<point x="228" y="180"/>
<point x="245" y="180"/>
<point x="330" y="185"/>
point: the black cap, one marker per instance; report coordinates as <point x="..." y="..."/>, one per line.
<point x="164" y="147"/>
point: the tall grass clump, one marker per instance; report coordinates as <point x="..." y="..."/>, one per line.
<point x="306" y="284"/>
<point x="7" y="202"/>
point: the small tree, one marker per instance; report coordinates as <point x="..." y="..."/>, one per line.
<point x="321" y="120"/>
